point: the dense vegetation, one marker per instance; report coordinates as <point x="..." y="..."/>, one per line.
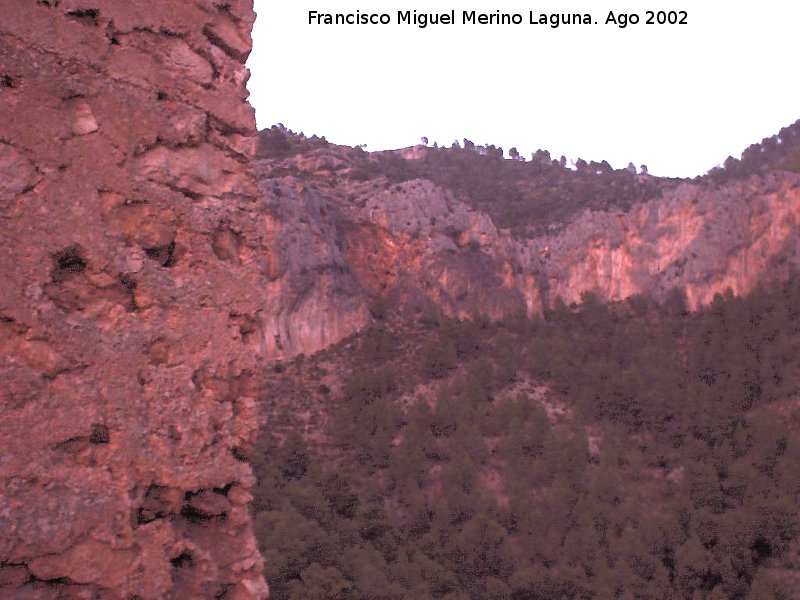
<point x="602" y="451"/>
<point x="523" y="196"/>
<point x="780" y="151"/>
<point x="528" y="197"/>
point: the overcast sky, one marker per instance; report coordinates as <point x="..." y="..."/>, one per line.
<point x="679" y="99"/>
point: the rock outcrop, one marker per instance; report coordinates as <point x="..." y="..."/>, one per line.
<point x="135" y="258"/>
<point x="701" y="239"/>
<point x="350" y="243"/>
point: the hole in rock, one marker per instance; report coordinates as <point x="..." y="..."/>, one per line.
<point x="144" y="516"/>
<point x="99" y="434"/>
<point x="129" y="285"/>
<point x="195" y="516"/>
<point x="184" y="559"/>
<point x="55" y="582"/>
<point x="223" y="491"/>
<point x="165" y="255"/>
<point x="68" y="262"/>
<point x="127" y="281"/>
<point x="88" y="16"/>
<point x="155" y="505"/>
<point x="762" y="549"/>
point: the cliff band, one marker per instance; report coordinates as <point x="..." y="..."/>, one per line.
<point x="133" y="256"/>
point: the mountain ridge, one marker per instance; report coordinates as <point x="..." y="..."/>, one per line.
<point x="397" y="233"/>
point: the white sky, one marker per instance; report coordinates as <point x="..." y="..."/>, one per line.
<point x="679" y="99"/>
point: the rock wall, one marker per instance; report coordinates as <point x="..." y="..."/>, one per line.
<point x="699" y="238"/>
<point x="135" y="256"/>
<point x="352" y="243"/>
<point x="313" y="298"/>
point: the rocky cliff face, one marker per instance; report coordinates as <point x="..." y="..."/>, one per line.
<point x="135" y="255"/>
<point x="350" y="243"/>
<point x="699" y="238"/>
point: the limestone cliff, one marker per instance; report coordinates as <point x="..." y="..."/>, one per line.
<point x="351" y="241"/>
<point x="699" y="238"/>
<point x="135" y="255"/>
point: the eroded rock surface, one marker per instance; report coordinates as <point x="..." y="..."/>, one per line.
<point x="699" y="238"/>
<point x="135" y="254"/>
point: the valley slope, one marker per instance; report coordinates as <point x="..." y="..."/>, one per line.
<point x="464" y="231"/>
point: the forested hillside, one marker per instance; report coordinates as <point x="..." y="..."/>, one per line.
<point x="778" y="152"/>
<point x="631" y="450"/>
<point x="526" y="196"/>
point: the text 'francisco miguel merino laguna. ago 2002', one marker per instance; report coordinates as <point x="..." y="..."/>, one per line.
<point x="471" y="17"/>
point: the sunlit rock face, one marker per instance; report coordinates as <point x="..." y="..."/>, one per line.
<point x="698" y="238"/>
<point x="349" y="243"/>
<point x="343" y="249"/>
<point x="135" y="258"/>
